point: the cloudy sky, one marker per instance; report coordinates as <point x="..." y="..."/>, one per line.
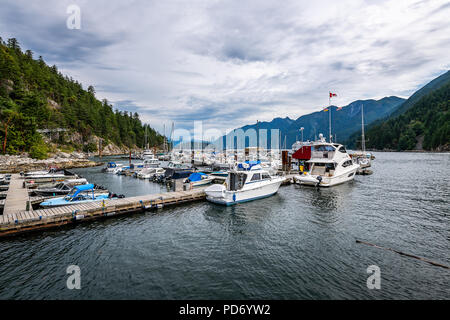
<point x="230" y="63"/>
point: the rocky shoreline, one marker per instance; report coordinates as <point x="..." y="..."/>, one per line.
<point x="23" y="163"/>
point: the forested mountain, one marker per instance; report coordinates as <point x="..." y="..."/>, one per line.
<point x="429" y="87"/>
<point x="344" y="121"/>
<point x="425" y="123"/>
<point x="35" y="96"/>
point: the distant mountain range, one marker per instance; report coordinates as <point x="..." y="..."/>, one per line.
<point x="421" y="123"/>
<point x="344" y="122"/>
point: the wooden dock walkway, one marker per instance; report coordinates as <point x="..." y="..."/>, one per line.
<point x="17" y="196"/>
<point x="17" y="220"/>
<point x="24" y="221"/>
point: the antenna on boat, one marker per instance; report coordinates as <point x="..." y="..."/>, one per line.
<point x="257" y="140"/>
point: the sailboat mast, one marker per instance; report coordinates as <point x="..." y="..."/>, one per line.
<point x="145" y="140"/>
<point x="164" y="144"/>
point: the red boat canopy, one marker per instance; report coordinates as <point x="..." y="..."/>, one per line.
<point x="304" y="153"/>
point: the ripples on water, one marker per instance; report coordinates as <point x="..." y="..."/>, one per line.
<point x="298" y="244"/>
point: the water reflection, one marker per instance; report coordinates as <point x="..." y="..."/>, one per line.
<point x="243" y="216"/>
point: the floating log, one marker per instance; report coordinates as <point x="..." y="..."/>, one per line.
<point x="405" y="254"/>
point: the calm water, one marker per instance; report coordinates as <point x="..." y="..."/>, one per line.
<point x="298" y="244"/>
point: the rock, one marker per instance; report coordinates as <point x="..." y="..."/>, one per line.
<point x="63" y="155"/>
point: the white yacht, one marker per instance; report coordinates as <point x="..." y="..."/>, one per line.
<point x="330" y="164"/>
<point x="248" y="181"/>
<point x="147" y="154"/>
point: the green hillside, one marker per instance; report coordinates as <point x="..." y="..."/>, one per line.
<point x="35" y="96"/>
<point x="425" y="123"/>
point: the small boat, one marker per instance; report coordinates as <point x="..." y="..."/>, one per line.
<point x="219" y="173"/>
<point x="151" y="163"/>
<point x="122" y="170"/>
<point x="52" y="173"/>
<point x="112" y="167"/>
<point x="79" y="194"/>
<point x="199" y="179"/>
<point x="177" y="166"/>
<point x="147" y="154"/>
<point x="149" y="173"/>
<point x="61" y="188"/>
<point x="247" y="181"/>
<point x="329" y="165"/>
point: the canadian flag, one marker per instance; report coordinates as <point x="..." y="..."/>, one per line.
<point x="333" y="95"/>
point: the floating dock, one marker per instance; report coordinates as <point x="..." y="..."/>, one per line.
<point x="16" y="197"/>
<point x="17" y="219"/>
<point x="20" y="221"/>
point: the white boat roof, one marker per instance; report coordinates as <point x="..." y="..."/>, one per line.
<point x="321" y="160"/>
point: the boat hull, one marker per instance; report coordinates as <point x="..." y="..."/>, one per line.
<point x="59" y="202"/>
<point x="310" y="180"/>
<point x="225" y="197"/>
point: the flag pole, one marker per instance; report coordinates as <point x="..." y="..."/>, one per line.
<point x="329" y="109"/>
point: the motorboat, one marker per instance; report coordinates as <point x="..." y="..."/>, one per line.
<point x="79" y="194"/>
<point x="52" y="173"/>
<point x="247" y="181"/>
<point x="177" y="166"/>
<point x="149" y="173"/>
<point x="329" y="165"/>
<point x="175" y="170"/>
<point x="112" y="167"/>
<point x="151" y="163"/>
<point x="219" y="173"/>
<point x="60" y="188"/>
<point x="197" y="179"/>
<point x="148" y="154"/>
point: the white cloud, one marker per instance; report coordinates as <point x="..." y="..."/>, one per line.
<point x="230" y="63"/>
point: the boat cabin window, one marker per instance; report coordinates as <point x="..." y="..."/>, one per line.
<point x="322" y="148"/>
<point x="256" y="177"/>
<point x="342" y="149"/>
<point x="265" y="176"/>
<point x="347" y="163"/>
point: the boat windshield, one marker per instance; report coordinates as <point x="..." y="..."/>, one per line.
<point x="70" y="194"/>
<point x="323" y="148"/>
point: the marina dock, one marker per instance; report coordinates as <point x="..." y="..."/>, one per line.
<point x="16" y="197"/>
<point x="17" y="219"/>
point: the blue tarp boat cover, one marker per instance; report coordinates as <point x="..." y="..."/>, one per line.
<point x="249" y="163"/>
<point x="85" y="187"/>
<point x="196" y="176"/>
